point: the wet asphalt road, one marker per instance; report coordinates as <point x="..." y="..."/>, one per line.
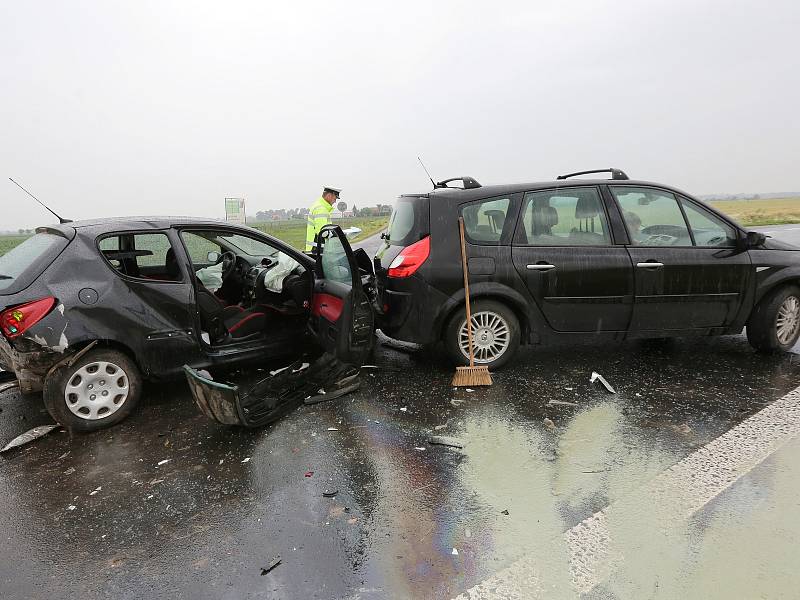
<point x="229" y="501"/>
<point x="204" y="524"/>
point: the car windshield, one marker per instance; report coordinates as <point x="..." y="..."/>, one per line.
<point x="248" y="245"/>
<point x="17" y="261"/>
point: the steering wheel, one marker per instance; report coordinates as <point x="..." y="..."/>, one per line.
<point x="661" y="239"/>
<point x="228" y="260"/>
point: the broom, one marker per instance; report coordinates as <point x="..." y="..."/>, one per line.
<point x="471" y="375"/>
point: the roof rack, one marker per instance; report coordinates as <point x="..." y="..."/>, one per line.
<point x="469" y="183"/>
<point x="615" y="173"/>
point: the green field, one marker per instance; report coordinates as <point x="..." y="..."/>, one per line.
<point x="294" y="232"/>
<point x="775" y="211"/>
<point x="7" y="242"/>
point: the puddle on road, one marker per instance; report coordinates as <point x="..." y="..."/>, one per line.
<point x="399" y="512"/>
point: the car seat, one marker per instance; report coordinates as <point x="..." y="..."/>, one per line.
<point x="543" y="218"/>
<point x="587" y="209"/>
<point x="219" y="321"/>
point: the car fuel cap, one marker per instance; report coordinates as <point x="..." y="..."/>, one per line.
<point x="87" y="296"/>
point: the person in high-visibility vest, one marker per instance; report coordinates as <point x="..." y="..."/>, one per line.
<point x="319" y="215"/>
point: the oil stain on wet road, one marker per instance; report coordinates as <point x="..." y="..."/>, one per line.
<point x="543" y="449"/>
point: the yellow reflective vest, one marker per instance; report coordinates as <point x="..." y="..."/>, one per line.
<point x="319" y="215"/>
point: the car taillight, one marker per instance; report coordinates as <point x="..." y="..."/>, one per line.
<point x="18" y="319"/>
<point x="410" y="259"/>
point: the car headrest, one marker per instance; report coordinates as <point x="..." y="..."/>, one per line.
<point x="587" y="207"/>
<point x="171" y="264"/>
<point x="545" y="216"/>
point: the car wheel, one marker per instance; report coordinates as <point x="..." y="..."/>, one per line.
<point x="774" y="325"/>
<point x="99" y="390"/>
<point x="495" y="335"/>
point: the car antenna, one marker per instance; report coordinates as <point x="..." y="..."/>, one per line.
<point x="60" y="219"/>
<point x="426" y="172"/>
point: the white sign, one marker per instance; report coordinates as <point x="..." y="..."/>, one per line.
<point x="234" y="211"/>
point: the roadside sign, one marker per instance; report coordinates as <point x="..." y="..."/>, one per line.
<point x="234" y="211"/>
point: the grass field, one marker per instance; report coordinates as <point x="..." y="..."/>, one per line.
<point x="294" y="232"/>
<point x="7" y="242"/>
<point x="761" y="212"/>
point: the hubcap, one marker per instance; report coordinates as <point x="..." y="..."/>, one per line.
<point x="96" y="390"/>
<point x="788" y="320"/>
<point x="490" y="337"/>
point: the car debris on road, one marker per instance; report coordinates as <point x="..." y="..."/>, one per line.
<point x="438" y="440"/>
<point x="29" y="436"/>
<point x="597" y="377"/>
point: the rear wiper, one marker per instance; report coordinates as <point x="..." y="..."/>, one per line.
<point x="6" y="277"/>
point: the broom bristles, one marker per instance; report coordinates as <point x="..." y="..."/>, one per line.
<point x="472" y="376"/>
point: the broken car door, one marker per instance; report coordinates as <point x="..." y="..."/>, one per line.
<point x="341" y="319"/>
<point x="341" y="314"/>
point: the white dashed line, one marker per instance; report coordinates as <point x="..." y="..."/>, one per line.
<point x="678" y="493"/>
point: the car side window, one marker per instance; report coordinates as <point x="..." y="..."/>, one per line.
<point x="653" y="217"/>
<point x="198" y="246"/>
<point x="707" y="228"/>
<point x="563" y="217"/>
<point x="141" y="255"/>
<point x="485" y="221"/>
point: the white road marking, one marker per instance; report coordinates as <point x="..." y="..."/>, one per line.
<point x="678" y="492"/>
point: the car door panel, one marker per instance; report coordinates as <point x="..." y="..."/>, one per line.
<point x="342" y="317"/>
<point x="578" y="288"/>
<point x="680" y="284"/>
<point x="695" y="287"/>
<point x="564" y="252"/>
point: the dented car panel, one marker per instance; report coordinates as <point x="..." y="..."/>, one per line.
<point x="103" y="288"/>
<point x="271" y="397"/>
<point x="30" y="363"/>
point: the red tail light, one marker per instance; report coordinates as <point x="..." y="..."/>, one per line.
<point x="18" y="319"/>
<point x="410" y="259"/>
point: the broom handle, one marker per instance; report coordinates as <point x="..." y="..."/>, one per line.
<point x="466" y="289"/>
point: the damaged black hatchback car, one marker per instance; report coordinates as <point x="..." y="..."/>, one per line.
<point x="88" y="310"/>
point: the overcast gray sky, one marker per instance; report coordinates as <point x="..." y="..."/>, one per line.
<point x="112" y="108"/>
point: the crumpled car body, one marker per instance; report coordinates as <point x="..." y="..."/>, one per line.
<point x="102" y="291"/>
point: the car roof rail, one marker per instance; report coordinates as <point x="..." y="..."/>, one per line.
<point x="469" y="183"/>
<point x="615" y="173"/>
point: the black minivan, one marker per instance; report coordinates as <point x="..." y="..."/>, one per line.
<point x="577" y="258"/>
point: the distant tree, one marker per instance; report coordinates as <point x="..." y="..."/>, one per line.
<point x="21" y="231"/>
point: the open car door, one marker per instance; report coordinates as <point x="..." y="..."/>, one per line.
<point x="341" y="313"/>
<point x="342" y="321"/>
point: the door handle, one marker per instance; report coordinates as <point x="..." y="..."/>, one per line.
<point x="540" y="267"/>
<point x="650" y="265"/>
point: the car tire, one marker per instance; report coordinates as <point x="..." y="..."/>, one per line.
<point x="98" y="391"/>
<point x="774" y="324"/>
<point x="491" y="320"/>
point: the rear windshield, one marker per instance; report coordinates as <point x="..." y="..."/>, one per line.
<point x="409" y="222"/>
<point x="22" y="264"/>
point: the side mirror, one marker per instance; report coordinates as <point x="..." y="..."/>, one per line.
<point x="754" y="239"/>
<point x="213" y="257"/>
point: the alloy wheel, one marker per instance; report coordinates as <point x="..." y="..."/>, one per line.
<point x="788" y="320"/>
<point x="491" y="337"/>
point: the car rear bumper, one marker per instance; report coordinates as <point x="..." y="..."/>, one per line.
<point x="411" y="308"/>
<point x="30" y="367"/>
